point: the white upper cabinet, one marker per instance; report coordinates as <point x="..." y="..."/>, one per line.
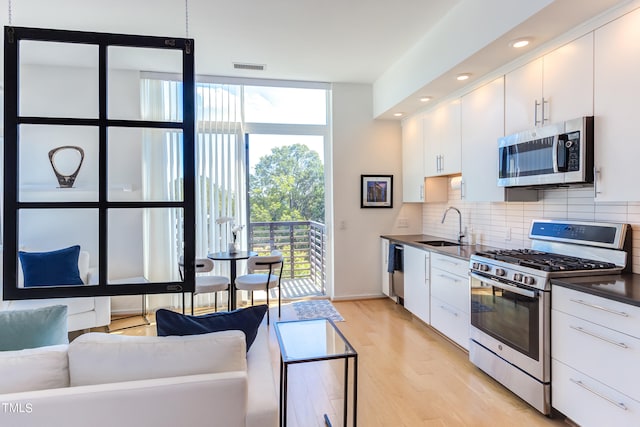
<point x="617" y="90"/>
<point x="442" y="140"/>
<point x="482" y="120"/>
<point x="551" y="89"/>
<point x="482" y="124"/>
<point x="412" y="160"/>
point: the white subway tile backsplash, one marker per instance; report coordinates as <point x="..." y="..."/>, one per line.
<point x="495" y="222"/>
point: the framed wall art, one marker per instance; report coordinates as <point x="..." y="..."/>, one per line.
<point x="376" y="191"/>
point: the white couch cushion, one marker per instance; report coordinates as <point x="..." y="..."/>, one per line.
<point x="97" y="358"/>
<point x="34" y="369"/>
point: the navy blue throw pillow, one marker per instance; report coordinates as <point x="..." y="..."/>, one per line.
<point x="59" y="267"/>
<point x="246" y="320"/>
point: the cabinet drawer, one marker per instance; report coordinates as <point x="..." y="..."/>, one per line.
<point x="612" y="314"/>
<point x="451" y="264"/>
<point x="606" y="355"/>
<point x="450" y="288"/>
<point x="589" y="402"/>
<point x="452" y="322"/>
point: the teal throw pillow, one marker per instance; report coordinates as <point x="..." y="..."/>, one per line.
<point x="38" y="327"/>
<point x="59" y="267"/>
<point x="244" y="319"/>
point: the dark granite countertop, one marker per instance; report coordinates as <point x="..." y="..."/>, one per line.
<point x="624" y="288"/>
<point x="463" y="252"/>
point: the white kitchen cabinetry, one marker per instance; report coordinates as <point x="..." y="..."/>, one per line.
<point x="616" y="93"/>
<point x="595" y="348"/>
<point x="414" y="186"/>
<point x="442" y="140"/>
<point x="384" y="255"/>
<point x="416" y="282"/>
<point x="551" y="89"/>
<point x="482" y="123"/>
<point x="450" y="297"/>
<point x="412" y="160"/>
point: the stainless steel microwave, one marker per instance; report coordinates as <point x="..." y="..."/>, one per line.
<point x="557" y="154"/>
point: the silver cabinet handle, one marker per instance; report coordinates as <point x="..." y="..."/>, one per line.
<point x="599" y="307"/>
<point x="536" y="104"/>
<point x="600" y="395"/>
<point x="448" y="261"/>
<point x="596" y="173"/>
<point x="600" y="337"/>
<point x="441" y="163"/>
<point x="422" y="192"/>
<point x="444" y="276"/>
<point x="448" y="310"/>
<point x="544" y="119"/>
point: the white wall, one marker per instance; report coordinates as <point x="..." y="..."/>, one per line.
<point x="506" y="225"/>
<point x="363" y="146"/>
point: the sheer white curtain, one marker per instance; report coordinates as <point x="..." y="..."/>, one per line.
<point x="220" y="165"/>
<point x="220" y="171"/>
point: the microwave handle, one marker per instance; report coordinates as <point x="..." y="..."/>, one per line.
<point x="556" y="155"/>
<point x="504" y="286"/>
<point x="561" y="152"/>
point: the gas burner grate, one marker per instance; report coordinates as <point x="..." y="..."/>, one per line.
<point x="545" y="261"/>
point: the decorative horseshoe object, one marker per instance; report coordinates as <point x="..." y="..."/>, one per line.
<point x="66" y="181"/>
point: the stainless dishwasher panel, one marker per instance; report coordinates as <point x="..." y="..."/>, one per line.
<point x="397" y="277"/>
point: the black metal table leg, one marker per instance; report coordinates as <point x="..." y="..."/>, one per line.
<point x="355" y="391"/>
<point x="346" y="391"/>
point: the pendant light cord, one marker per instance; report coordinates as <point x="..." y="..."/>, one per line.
<point x="9" y="11"/>
<point x="186" y="17"/>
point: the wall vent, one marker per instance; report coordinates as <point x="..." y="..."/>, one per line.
<point x="244" y="66"/>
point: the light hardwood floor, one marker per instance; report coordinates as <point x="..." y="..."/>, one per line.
<point x="409" y="376"/>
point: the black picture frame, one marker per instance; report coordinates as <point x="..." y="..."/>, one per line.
<point x="376" y="191"/>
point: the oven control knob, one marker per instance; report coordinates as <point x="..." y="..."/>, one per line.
<point x="500" y="272"/>
<point x="484" y="267"/>
<point x="528" y="280"/>
<point x="517" y="277"/>
<point x="474" y="266"/>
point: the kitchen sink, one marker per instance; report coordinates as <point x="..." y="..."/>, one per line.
<point x="439" y="243"/>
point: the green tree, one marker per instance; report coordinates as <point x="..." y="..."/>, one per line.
<point x="288" y="185"/>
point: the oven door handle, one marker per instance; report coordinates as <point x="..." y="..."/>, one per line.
<point x="504" y="286"/>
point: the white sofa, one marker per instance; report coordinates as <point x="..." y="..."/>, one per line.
<point x="83" y="313"/>
<point x="218" y="385"/>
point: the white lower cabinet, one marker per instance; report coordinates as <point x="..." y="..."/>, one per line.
<point x="595" y="349"/>
<point x="589" y="402"/>
<point x="450" y="297"/>
<point x="416" y="282"/>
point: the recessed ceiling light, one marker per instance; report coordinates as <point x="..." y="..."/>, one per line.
<point x="463" y="76"/>
<point x="425" y="99"/>
<point x="519" y="43"/>
<point x="398" y="114"/>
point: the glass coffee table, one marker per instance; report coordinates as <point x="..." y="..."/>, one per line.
<point x="314" y="340"/>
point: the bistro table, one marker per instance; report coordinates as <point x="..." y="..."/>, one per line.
<point x="233" y="259"/>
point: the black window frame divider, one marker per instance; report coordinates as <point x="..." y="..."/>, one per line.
<point x="12" y="120"/>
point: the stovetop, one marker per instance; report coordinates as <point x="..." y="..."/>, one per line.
<point x="544" y="261"/>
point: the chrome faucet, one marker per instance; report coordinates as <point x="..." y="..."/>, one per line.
<point x="460" y="233"/>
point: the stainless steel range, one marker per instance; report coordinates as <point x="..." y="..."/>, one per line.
<point x="510" y="299"/>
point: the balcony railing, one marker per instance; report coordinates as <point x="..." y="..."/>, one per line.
<point x="302" y="244"/>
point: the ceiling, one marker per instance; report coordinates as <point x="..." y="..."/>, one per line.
<point x="353" y="41"/>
